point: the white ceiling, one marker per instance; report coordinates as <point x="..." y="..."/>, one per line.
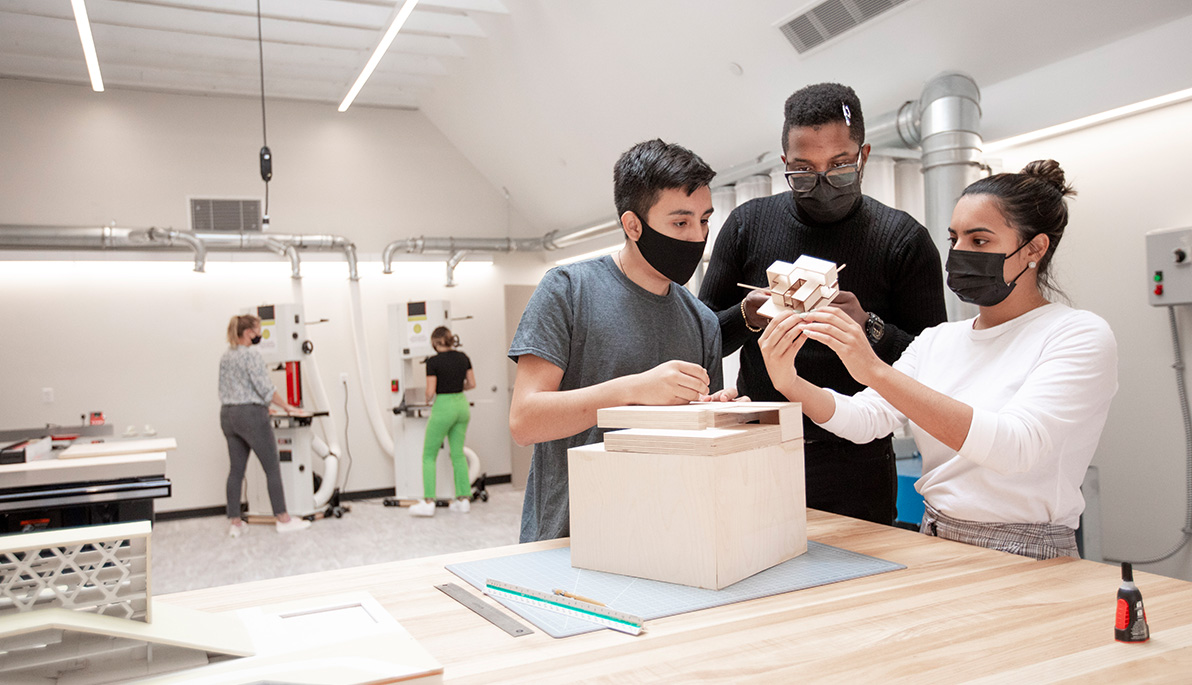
<point x="543" y="95"/>
<point x="313" y="49"/>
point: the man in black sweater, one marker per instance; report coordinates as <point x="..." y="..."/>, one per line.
<point x="892" y="286"/>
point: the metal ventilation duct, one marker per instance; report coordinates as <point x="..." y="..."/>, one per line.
<point x="945" y="125"/>
<point x="826" y="20"/>
<point x="458" y="247"/>
<point x="16" y="237"/>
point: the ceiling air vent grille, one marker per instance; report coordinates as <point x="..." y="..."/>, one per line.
<point x="232" y="216"/>
<point x="826" y="20"/>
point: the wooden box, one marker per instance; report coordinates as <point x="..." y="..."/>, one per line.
<point x="696" y="494"/>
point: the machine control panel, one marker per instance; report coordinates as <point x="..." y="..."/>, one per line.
<point x="1169" y="266"/>
<point x="421" y="319"/>
<point x="283" y="331"/>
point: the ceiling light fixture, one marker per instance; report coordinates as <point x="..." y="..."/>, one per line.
<point x="589" y="255"/>
<point x="80" y="12"/>
<point x="398" y="20"/>
<point x="1091" y="120"/>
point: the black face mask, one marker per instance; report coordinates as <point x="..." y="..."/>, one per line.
<point x="826" y="204"/>
<point x="676" y="259"/>
<point x="977" y="277"/>
<point x="256" y="340"/>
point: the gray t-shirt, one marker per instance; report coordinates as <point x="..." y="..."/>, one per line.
<point x="591" y="321"/>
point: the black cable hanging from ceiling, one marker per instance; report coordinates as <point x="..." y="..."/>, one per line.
<point x="266" y="155"/>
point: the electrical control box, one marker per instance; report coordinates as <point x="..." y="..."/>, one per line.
<point x="1169" y="266"/>
<point x="283" y="330"/>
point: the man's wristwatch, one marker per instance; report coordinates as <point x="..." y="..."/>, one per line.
<point x="875" y="328"/>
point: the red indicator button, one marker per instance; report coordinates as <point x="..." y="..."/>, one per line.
<point x="1159" y="289"/>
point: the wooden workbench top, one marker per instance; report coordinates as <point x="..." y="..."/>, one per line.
<point x="956" y="614"/>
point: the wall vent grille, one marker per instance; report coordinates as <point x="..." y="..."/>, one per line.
<point x="826" y="20"/>
<point x="229" y="216"/>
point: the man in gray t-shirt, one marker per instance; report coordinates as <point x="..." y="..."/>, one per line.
<point x="616" y="330"/>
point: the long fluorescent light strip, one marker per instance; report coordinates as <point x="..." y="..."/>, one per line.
<point x="398" y="21"/>
<point x="589" y="255"/>
<point x="1091" y="120"/>
<point x="80" y="12"/>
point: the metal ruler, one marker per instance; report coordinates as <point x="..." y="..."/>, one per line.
<point x="485" y="611"/>
<point x="595" y="613"/>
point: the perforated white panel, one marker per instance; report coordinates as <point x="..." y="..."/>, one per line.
<point x="106" y="575"/>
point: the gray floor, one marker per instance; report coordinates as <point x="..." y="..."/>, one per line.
<point x="196" y="553"/>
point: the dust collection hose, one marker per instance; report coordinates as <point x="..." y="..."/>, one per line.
<point x="1182" y="390"/>
<point x="364" y="372"/>
<point x="329" y="452"/>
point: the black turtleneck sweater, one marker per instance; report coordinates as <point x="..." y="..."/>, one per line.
<point x="893" y="269"/>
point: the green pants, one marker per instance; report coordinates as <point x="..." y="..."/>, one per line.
<point x="449" y="418"/>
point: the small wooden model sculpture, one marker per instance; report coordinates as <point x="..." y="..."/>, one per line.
<point x="807" y="284"/>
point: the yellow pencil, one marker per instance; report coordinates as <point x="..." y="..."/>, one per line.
<point x="564" y="593"/>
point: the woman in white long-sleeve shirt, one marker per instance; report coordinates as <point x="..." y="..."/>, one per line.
<point x="1006" y="408"/>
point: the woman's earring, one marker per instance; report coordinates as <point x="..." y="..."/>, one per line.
<point x="1030" y="265"/>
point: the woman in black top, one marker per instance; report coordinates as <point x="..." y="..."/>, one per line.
<point x="448" y="374"/>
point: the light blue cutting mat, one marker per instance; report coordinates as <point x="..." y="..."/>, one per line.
<point x="549" y="569"/>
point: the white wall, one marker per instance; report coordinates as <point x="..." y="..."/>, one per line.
<point x="1132" y="177"/>
<point x="140" y="338"/>
<point x="74" y="157"/>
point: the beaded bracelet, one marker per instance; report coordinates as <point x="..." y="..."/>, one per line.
<point x="751" y="328"/>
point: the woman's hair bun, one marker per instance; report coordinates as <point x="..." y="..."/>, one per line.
<point x="1050" y="172"/>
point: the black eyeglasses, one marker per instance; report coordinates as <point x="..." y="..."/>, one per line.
<point x="838" y="177"/>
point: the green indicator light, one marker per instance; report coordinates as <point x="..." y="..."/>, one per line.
<point x="1158" y="276"/>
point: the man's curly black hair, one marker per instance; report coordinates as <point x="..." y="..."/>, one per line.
<point x="821" y="104"/>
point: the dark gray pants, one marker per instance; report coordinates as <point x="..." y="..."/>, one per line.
<point x="247" y="426"/>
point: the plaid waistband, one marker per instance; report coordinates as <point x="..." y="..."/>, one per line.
<point x="1035" y="540"/>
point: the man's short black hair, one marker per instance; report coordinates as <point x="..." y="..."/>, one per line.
<point x="821" y="104"/>
<point x="647" y="169"/>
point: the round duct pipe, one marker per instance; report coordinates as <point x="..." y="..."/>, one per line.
<point x="24" y="237"/>
<point x="15" y="237"/>
<point x="269" y="242"/>
<point x="555" y="240"/>
<point x="945" y="124"/>
<point x="169" y="237"/>
<point x="452" y="262"/>
<point x="289" y="252"/>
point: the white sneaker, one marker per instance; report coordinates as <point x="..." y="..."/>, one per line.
<point x="461" y="506"/>
<point x="422" y="508"/>
<point x="235" y="530"/>
<point x="293" y="525"/>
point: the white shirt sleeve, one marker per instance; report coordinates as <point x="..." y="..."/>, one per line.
<point x="1076" y="374"/>
<point x="867" y="416"/>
